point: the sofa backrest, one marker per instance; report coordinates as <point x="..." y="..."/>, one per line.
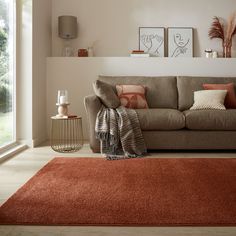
<point x="187" y="85"/>
<point x="161" y="92"/>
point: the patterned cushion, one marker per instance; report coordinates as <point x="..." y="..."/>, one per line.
<point x="209" y="99"/>
<point x="132" y="96"/>
<point x="230" y="99"/>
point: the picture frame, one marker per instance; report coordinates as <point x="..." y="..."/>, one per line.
<point x="180" y="41"/>
<point x="152" y="40"/>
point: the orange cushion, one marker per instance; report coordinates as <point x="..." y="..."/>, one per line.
<point x="230" y="99"/>
<point x="132" y="96"/>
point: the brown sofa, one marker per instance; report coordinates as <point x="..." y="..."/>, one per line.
<point x="169" y="124"/>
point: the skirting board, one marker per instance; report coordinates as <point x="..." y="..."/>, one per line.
<point x="11" y="152"/>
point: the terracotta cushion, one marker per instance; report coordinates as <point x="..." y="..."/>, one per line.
<point x="230" y="99"/>
<point x="132" y="96"/>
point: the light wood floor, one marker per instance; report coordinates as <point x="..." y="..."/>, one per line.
<point x="16" y="171"/>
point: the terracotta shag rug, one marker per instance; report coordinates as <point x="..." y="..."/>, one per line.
<point x="135" y="192"/>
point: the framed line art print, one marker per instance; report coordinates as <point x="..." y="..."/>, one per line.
<point x="151" y="40"/>
<point x="180" y="42"/>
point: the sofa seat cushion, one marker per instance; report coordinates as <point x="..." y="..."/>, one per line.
<point x="211" y="119"/>
<point x="160" y="119"/>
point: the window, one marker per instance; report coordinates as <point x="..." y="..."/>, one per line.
<point x="7" y="111"/>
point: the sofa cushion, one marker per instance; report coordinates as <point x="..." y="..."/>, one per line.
<point x="211" y="119"/>
<point x="106" y="93"/>
<point x="160" y="119"/>
<point x="161" y="92"/>
<point x="188" y="85"/>
<point x="132" y="96"/>
<point x="230" y="99"/>
<point x="209" y="99"/>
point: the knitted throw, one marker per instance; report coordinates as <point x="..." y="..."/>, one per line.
<point x="119" y="133"/>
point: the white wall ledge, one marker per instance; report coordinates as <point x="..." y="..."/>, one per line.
<point x="148" y="58"/>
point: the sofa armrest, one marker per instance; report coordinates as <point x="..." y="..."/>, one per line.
<point x="92" y="106"/>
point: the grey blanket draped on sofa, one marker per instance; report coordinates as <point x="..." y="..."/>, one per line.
<point x="119" y="133"/>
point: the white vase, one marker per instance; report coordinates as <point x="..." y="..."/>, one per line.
<point x="90" y="52"/>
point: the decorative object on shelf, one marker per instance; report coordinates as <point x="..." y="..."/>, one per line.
<point x="208" y="53"/>
<point x="67" y="29"/>
<point x="90" y="51"/>
<point x="82" y="52"/>
<point x="180" y="42"/>
<point x="139" y="53"/>
<point x="219" y="31"/>
<point x="62" y="103"/>
<point x="151" y="40"/>
<point x="214" y="54"/>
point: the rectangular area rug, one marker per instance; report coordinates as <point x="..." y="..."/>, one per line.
<point x="135" y="192"/>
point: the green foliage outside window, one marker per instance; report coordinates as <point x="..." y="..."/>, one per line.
<point x="5" y="81"/>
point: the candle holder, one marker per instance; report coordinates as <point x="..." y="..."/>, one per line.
<point x="62" y="110"/>
<point x="62" y="103"/>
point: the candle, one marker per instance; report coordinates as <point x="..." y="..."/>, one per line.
<point x="62" y="100"/>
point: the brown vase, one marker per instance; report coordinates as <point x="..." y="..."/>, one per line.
<point x="227" y="49"/>
<point x="82" y="52"/>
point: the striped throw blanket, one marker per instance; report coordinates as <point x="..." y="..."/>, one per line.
<point x="119" y="133"/>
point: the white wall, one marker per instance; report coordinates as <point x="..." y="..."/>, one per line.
<point x="113" y="24"/>
<point x="77" y="74"/>
<point x="33" y="47"/>
<point x="41" y="50"/>
<point x="24" y="72"/>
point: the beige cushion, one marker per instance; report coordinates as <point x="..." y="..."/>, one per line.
<point x="187" y="85"/>
<point x="160" y="119"/>
<point x="211" y="119"/>
<point x="106" y="93"/>
<point x="209" y="99"/>
<point x="161" y="92"/>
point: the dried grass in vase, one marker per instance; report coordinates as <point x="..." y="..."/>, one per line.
<point x="218" y="30"/>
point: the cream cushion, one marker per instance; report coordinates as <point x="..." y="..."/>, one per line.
<point x="209" y="99"/>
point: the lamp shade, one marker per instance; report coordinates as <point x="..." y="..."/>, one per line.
<point x="67" y="27"/>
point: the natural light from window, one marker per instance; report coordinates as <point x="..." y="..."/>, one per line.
<point x="6" y="72"/>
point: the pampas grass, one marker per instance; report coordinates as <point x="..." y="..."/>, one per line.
<point x="217" y="29"/>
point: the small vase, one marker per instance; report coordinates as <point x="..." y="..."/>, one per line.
<point x="227" y="50"/>
<point x="90" y="52"/>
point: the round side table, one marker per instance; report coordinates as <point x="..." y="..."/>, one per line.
<point x="66" y="134"/>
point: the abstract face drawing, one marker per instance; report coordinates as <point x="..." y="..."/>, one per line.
<point x="179" y="40"/>
<point x="181" y="44"/>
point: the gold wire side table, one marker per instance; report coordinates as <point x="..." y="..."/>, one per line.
<point x="66" y="134"/>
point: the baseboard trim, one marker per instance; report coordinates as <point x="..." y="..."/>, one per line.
<point x="34" y="142"/>
<point x="12" y="152"/>
<point x="38" y="142"/>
